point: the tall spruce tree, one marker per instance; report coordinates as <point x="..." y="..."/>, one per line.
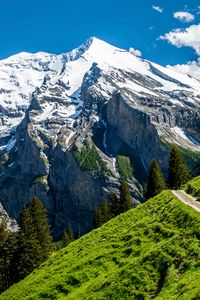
<point x="97" y="217"/>
<point x="156" y="181"/>
<point x="178" y="173"/>
<point x="29" y="252"/>
<point x="102" y="214"/>
<point x="65" y="239"/>
<point x="35" y="241"/>
<point x="105" y="212"/>
<point x="114" y="205"/>
<point x="40" y="223"/>
<point x="70" y="233"/>
<point x="125" y="197"/>
<point x="7" y="250"/>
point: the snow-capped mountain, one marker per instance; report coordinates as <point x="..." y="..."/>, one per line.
<point x="62" y="76"/>
<point x="54" y="105"/>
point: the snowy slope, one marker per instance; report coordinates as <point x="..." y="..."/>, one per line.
<point x="56" y="81"/>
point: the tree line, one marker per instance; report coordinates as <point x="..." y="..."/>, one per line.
<point x="114" y="206"/>
<point x="178" y="174"/>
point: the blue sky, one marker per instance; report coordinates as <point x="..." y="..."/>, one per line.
<point x="60" y="25"/>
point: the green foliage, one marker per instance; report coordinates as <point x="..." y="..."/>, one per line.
<point x="35" y="241"/>
<point x="41" y="180"/>
<point x="89" y="159"/>
<point x="102" y="214"/>
<point x="125" y="197"/>
<point x="97" y="217"/>
<point x="7" y="249"/>
<point x="192" y="158"/>
<point x="124" y="167"/>
<point x="178" y="173"/>
<point x="114" y="205"/>
<point x="40" y="223"/>
<point x="156" y="181"/>
<point x="21" y="253"/>
<point x="68" y="237"/>
<point x="150" y="252"/>
<point x="193" y="187"/>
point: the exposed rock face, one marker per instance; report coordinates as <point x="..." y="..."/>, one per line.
<point x="95" y="95"/>
<point x="10" y="223"/>
<point x="127" y="124"/>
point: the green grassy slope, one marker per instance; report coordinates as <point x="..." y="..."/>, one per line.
<point x="193" y="187"/>
<point x="150" y="252"/>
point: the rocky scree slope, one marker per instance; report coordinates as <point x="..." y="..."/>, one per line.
<point x="58" y="111"/>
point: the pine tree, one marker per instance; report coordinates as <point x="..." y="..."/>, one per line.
<point x="29" y="250"/>
<point x="40" y="223"/>
<point x="3" y="257"/>
<point x="102" y="214"/>
<point x="114" y="205"/>
<point x="35" y="241"/>
<point x="97" y="217"/>
<point x="155" y="180"/>
<point x="65" y="239"/>
<point x="7" y="250"/>
<point x="70" y="234"/>
<point x="178" y="172"/>
<point x="68" y="237"/>
<point x="105" y="212"/>
<point x="125" y="197"/>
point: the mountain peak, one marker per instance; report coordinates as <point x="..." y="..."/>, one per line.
<point x="92" y="45"/>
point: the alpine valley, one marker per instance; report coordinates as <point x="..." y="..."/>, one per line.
<point x="68" y="121"/>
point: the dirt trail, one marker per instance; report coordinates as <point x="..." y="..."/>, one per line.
<point x="187" y="199"/>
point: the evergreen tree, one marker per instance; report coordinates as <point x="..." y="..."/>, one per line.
<point x="114" y="205"/>
<point x="29" y="253"/>
<point x="4" y="259"/>
<point x="155" y="180"/>
<point x="40" y="223"/>
<point x="178" y="172"/>
<point x="105" y="212"/>
<point x="70" y="233"/>
<point x="65" y="239"/>
<point x="68" y="237"/>
<point x="97" y="217"/>
<point x="125" y="197"/>
<point x="102" y="214"/>
<point x="35" y="241"/>
<point x="12" y="247"/>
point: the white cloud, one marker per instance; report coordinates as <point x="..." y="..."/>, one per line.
<point x="135" y="52"/>
<point x="189" y="37"/>
<point x="184" y="16"/>
<point x="158" y="8"/>
<point x="151" y="28"/>
<point x="192" y="68"/>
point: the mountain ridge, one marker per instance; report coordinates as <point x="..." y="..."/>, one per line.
<point x="96" y="95"/>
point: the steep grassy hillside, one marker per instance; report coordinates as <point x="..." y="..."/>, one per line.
<point x="150" y="252"/>
<point x="193" y="187"/>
